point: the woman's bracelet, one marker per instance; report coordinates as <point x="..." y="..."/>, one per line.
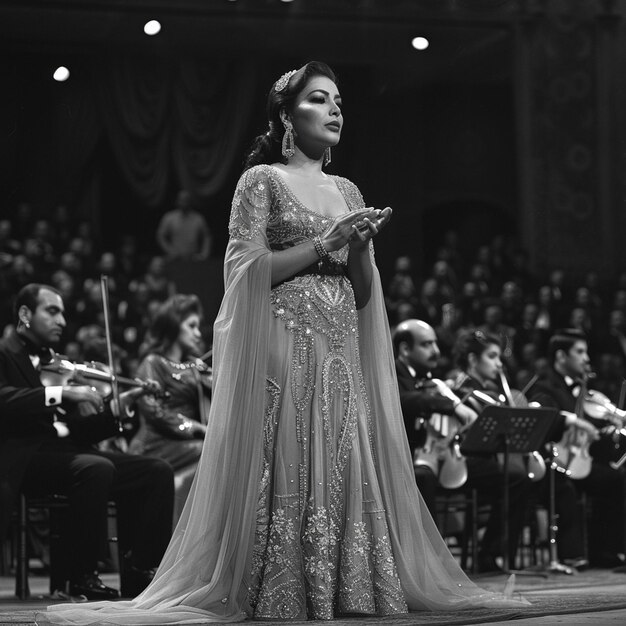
<point x="320" y="248"/>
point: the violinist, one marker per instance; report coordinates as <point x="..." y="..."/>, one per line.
<point x="421" y="396"/>
<point x="47" y="446"/>
<point x="478" y="356"/>
<point x="172" y="427"/>
<point x="561" y="387"/>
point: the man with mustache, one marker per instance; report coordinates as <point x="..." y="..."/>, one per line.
<point x="47" y="446"/>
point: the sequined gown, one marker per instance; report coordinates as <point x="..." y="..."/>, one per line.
<point x="322" y="544"/>
<point x="304" y="504"/>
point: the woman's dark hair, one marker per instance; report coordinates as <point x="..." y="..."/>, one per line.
<point x="165" y="326"/>
<point x="266" y="148"/>
<point x="473" y="342"/>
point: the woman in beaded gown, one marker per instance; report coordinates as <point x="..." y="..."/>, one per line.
<point x="172" y="428"/>
<point x="304" y="505"/>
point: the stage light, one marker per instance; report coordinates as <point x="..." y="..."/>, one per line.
<point x="153" y="27"/>
<point x="61" y="74"/>
<point x="420" y="43"/>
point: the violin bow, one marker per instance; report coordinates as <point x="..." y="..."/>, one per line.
<point x="505" y="387"/>
<point x="530" y="383"/>
<point x="622" y="395"/>
<point x="104" y="286"/>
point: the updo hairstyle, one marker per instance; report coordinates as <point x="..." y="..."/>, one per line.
<point x="266" y="148"/>
<point x="473" y="342"/>
<point x="165" y="326"/>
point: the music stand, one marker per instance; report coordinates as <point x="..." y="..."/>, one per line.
<point x="505" y="429"/>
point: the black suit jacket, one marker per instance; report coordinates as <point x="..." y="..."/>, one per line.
<point x="26" y="423"/>
<point x="418" y="403"/>
<point x="551" y="390"/>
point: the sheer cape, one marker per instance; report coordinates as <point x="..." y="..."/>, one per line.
<point x="204" y="574"/>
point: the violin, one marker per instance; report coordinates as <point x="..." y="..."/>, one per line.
<point x="572" y="453"/>
<point x="61" y="371"/>
<point x="598" y="406"/>
<point x="442" y="449"/>
<point x="610" y="446"/>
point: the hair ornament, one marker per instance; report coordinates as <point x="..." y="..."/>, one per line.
<point x="283" y="81"/>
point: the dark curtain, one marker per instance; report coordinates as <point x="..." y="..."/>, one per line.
<point x="168" y="122"/>
<point x="135" y="105"/>
<point x="212" y="108"/>
<point x="174" y="123"/>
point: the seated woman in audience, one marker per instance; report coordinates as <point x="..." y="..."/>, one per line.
<point x="172" y="427"/>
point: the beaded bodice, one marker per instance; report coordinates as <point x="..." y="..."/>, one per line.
<point x="264" y="201"/>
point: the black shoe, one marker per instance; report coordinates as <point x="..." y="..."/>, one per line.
<point x="134" y="580"/>
<point x="580" y="564"/>
<point x="92" y="588"/>
<point x="63" y="596"/>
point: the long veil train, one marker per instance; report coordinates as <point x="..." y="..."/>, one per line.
<point x="204" y="574"/>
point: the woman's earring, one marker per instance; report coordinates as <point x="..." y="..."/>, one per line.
<point x="327" y="158"/>
<point x="288" y="148"/>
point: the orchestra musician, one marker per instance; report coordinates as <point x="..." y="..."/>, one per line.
<point x="417" y="353"/>
<point x="562" y="387"/>
<point x="423" y="398"/>
<point x="47" y="447"/>
<point x="478" y="355"/>
<point x="172" y="428"/>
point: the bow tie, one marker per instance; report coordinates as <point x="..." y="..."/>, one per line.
<point x="574" y="388"/>
<point x="34" y="350"/>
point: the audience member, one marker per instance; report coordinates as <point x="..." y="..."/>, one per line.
<point x="429" y="305"/>
<point x="401" y="291"/>
<point x="511" y="301"/>
<point x="183" y="233"/>
<point x="9" y="246"/>
<point x="23" y="220"/>
<point x="61" y="223"/>
<point x="558" y="296"/>
<point x="160" y="287"/>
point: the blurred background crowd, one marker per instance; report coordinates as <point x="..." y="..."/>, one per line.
<point x="490" y="287"/>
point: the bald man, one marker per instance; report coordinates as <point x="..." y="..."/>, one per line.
<point x="417" y="354"/>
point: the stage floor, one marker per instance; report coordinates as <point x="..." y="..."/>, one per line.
<point x="591" y="597"/>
